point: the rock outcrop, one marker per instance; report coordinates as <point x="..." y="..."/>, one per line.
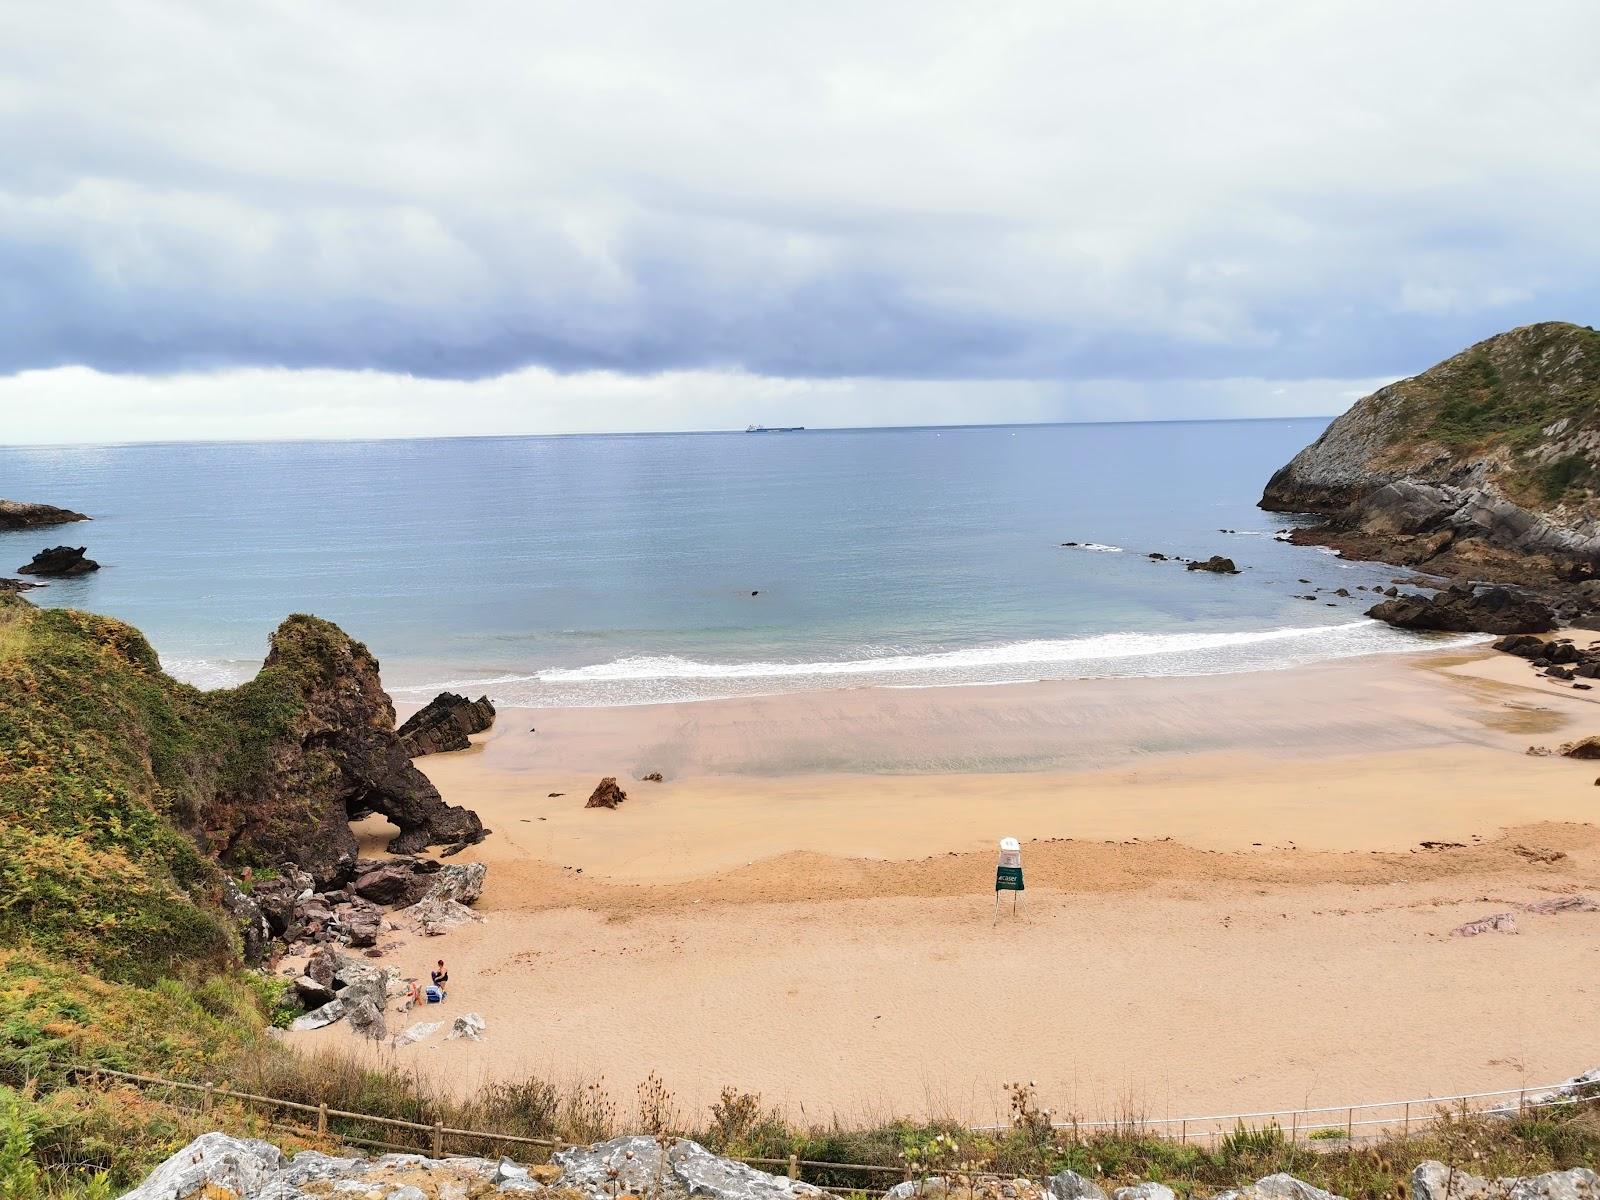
<point x="445" y="723"/>
<point x="323" y="749"/>
<point x="1216" y="564"/>
<point x="13" y="586"/>
<point x="606" y="794"/>
<point x="1464" y="608"/>
<point x="1486" y="465"/>
<point x="60" y="562"/>
<point x="216" y="1165"/>
<point x="15" y="514"/>
<point x="1435" y="1181"/>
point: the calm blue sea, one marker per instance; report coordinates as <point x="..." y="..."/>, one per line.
<point x="621" y="569"/>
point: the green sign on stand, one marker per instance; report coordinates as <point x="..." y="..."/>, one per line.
<point x="1008" y="879"/>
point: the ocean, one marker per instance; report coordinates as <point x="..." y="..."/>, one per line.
<point x="629" y="569"/>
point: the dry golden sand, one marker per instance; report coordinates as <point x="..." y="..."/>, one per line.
<point x="1227" y="908"/>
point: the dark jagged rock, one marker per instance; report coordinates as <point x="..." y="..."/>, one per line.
<point x="607" y="794"/>
<point x="653" y="777"/>
<point x="1466" y="609"/>
<point x="396" y="882"/>
<point x="1216" y="564"/>
<point x="445" y="723"/>
<point x="1523" y="645"/>
<point x="60" y="562"/>
<point x="15" y="514"/>
<point x="324" y="749"/>
<point x="1486" y="466"/>
<point x="18" y="585"/>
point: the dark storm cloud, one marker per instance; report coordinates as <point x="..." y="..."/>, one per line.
<point x="1076" y="192"/>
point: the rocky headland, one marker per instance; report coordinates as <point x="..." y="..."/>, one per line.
<point x="17" y="514"/>
<point x="191" y="828"/>
<point x="1484" y="468"/>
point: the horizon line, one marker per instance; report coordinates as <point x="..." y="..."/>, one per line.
<point x="624" y="433"/>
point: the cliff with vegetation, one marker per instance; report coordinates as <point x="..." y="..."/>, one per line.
<point x="1484" y="466"/>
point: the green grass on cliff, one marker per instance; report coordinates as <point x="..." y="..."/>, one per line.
<point x="1500" y="396"/>
<point x="109" y="769"/>
<point x="102" y="758"/>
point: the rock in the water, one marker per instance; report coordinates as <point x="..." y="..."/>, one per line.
<point x="653" y="777"/>
<point x="1465" y="609"/>
<point x="213" y="1163"/>
<point x="1216" y="564"/>
<point x="469" y="1025"/>
<point x="16" y="514"/>
<point x="445" y="723"/>
<point x="1435" y="1181"/>
<point x="60" y="562"/>
<point x="1069" y="1185"/>
<point x="607" y="794"/>
<point x="13" y="586"/>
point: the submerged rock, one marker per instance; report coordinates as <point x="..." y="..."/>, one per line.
<point x="445" y="723"/>
<point x="59" y="562"/>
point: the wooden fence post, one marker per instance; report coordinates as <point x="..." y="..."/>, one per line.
<point x="438" y="1139"/>
<point x="1407" y="1130"/>
<point x="794" y="1166"/>
<point x="205" y="1098"/>
<point x="322" y="1120"/>
<point x="1184" y="1136"/>
<point x="1349" y="1127"/>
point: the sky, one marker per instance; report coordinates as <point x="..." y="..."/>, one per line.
<point x="286" y="219"/>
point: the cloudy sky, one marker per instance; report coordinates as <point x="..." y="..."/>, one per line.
<point x="286" y="219"/>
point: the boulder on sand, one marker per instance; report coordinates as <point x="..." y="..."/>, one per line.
<point x="1588" y="747"/>
<point x="607" y="794"/>
<point x="60" y="561"/>
<point x="1464" y="608"/>
<point x="397" y="881"/>
<point x="444" y="724"/>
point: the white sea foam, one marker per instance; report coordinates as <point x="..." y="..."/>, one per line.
<point x="1093" y="547"/>
<point x="1040" y="652"/>
<point x="669" y="678"/>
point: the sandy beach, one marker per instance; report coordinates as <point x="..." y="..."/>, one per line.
<point x="804" y="907"/>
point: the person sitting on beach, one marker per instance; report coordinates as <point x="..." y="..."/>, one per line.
<point x="440" y="976"/>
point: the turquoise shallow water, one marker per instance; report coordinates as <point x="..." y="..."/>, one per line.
<point x="620" y="569"/>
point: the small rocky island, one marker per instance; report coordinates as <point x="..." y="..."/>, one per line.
<point x="1484" y="469"/>
<point x="16" y="514"/>
<point x="60" y="562"/>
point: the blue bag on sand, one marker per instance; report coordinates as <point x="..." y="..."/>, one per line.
<point x="434" y="994"/>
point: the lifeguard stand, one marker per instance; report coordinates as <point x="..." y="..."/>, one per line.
<point x="1008" y="873"/>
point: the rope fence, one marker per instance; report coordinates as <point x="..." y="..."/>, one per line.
<point x="1296" y="1124"/>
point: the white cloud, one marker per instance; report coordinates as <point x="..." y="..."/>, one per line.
<point x="1056" y="190"/>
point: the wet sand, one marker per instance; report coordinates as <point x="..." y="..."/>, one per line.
<point x="1227" y="909"/>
